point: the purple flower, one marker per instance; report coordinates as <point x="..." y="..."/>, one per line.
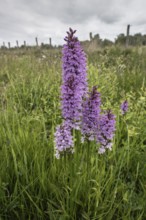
<point x="63" y="140"/>
<point x="74" y="86"/>
<point x="90" y="115"/>
<point x="124" y="107"/>
<point x="106" y="131"/>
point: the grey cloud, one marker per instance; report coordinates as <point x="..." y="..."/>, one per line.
<point x="77" y="11"/>
<point x="26" y="18"/>
<point x="70" y="11"/>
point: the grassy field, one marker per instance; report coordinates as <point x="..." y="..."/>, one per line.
<point x="83" y="186"/>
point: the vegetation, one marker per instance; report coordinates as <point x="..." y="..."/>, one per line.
<point x="85" y="185"/>
<point x="134" y="40"/>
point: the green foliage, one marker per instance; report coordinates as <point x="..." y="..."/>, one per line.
<point x="134" y="40"/>
<point x="83" y="186"/>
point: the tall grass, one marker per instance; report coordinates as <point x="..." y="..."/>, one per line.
<point x="86" y="185"/>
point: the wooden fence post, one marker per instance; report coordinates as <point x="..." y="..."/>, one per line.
<point x="36" y="40"/>
<point x="17" y="43"/>
<point x="9" y="45"/>
<point x="127" y="36"/>
<point x="90" y="36"/>
<point x="50" y="41"/>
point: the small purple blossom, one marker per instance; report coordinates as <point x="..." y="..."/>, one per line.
<point x="106" y="131"/>
<point x="63" y="140"/>
<point x="74" y="86"/>
<point x="101" y="150"/>
<point x="124" y="107"/>
<point x="90" y="115"/>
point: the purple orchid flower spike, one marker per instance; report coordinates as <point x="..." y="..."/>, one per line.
<point x="63" y="140"/>
<point x="90" y="117"/>
<point x="124" y="107"/>
<point x="74" y="86"/>
<point x="106" y="131"/>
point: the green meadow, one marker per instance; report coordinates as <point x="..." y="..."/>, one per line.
<point x="34" y="185"/>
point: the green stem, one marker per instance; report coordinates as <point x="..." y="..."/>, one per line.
<point x="88" y="160"/>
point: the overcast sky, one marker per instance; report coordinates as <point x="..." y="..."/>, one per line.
<point x="26" y="19"/>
